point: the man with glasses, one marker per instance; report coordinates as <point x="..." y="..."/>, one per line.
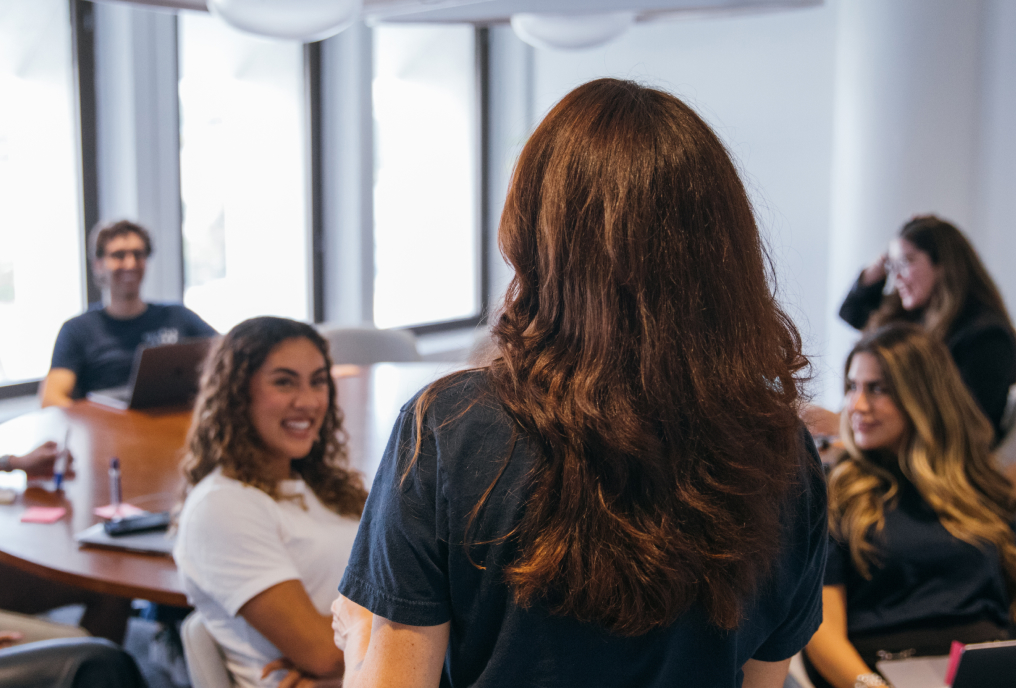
<point x="95" y="350"/>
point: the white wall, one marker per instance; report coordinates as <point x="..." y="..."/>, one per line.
<point x="846" y="119"/>
<point x="764" y="82"/>
<point x="995" y="209"/>
<point x="906" y="131"/>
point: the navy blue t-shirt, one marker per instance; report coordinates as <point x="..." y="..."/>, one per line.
<point x="99" y="348"/>
<point x="409" y="565"/>
<point x="924" y="575"/>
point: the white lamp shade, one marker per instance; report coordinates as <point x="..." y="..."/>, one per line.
<point x="305" y="20"/>
<point x="571" y="31"/>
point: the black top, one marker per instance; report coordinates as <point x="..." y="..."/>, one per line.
<point x="980" y="341"/>
<point x="924" y="576"/>
<point x="99" y="348"/>
<point x="409" y="565"/>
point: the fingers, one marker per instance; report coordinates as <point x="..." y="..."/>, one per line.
<point x="292" y="679"/>
<point x="10" y="637"/>
<point x="279" y="664"/>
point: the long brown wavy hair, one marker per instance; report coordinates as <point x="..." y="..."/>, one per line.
<point x="945" y="455"/>
<point x="963" y="278"/>
<point x="644" y="357"/>
<point x="222" y="434"/>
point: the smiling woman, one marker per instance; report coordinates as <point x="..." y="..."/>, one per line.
<point x="271" y="506"/>
<point x="936" y="280"/>
<point x="922" y="550"/>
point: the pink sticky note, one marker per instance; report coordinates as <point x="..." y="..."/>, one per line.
<point x="123" y="511"/>
<point x="43" y="514"/>
<point x="955" y="653"/>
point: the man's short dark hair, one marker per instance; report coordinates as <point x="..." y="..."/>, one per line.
<point x="103" y="233"/>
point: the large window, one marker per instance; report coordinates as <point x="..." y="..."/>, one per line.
<point x="243" y="174"/>
<point x="41" y="256"/>
<point x="426" y="177"/>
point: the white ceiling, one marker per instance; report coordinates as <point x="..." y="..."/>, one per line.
<point x="496" y="11"/>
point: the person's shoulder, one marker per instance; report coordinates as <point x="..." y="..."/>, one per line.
<point x="977" y="321"/>
<point x="179" y="313"/>
<point x="811" y="480"/>
<point x="217" y="495"/>
<point x="85" y="320"/>
<point x="452" y="393"/>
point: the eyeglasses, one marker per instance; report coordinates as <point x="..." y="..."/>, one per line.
<point x="899" y="267"/>
<point x="120" y="256"/>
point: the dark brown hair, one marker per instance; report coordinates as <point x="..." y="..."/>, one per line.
<point x="963" y="278"/>
<point x="222" y="434"/>
<point x="103" y="233"/>
<point x="644" y="357"/>
<point x="945" y="455"/>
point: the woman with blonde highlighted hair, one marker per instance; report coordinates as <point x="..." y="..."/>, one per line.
<point x="936" y="280"/>
<point x="923" y="550"/>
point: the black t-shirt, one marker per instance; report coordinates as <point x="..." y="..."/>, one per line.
<point x="409" y="565"/>
<point x="100" y="348"/>
<point x="924" y="575"/>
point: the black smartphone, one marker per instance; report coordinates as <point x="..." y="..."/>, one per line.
<point x="141" y="523"/>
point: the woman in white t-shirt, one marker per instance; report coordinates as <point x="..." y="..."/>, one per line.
<point x="271" y="506"/>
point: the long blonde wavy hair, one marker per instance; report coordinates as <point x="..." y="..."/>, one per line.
<point x="222" y="434"/>
<point x="945" y="455"/>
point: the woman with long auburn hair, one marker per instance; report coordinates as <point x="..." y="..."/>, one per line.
<point x="271" y="505"/>
<point x="923" y="550"/>
<point x="625" y="495"/>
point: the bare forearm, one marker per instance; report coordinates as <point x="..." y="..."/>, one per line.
<point x="58" y="387"/>
<point x="836" y="659"/>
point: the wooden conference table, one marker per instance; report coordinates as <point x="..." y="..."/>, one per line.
<point x="149" y="445"/>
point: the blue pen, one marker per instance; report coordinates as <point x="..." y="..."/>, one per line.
<point x="60" y="466"/>
<point x="115" y="489"/>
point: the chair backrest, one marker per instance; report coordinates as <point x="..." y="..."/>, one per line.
<point x="69" y="663"/>
<point x="366" y="345"/>
<point x="205" y="664"/>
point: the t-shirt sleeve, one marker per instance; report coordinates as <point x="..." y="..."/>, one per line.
<point x="399" y="565"/>
<point x="68" y="352"/>
<point x="837" y="563"/>
<point x="806" y="569"/>
<point x="860" y="302"/>
<point x="195" y="326"/>
<point x="233" y="547"/>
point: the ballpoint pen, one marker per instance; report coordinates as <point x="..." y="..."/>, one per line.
<point x="60" y="466"/>
<point x="115" y="490"/>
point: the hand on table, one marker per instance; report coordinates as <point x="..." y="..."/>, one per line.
<point x="39" y="462"/>
<point x="295" y="678"/>
<point x="8" y="638"/>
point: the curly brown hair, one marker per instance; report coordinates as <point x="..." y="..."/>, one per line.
<point x="222" y="434"/>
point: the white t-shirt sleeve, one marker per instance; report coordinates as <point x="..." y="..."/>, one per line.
<point x="232" y="545"/>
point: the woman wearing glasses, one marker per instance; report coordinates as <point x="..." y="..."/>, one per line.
<point x="939" y="282"/>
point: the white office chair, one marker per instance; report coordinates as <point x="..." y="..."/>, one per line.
<point x="205" y="664"/>
<point x="366" y="345"/>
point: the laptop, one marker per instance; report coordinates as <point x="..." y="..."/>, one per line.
<point x="982" y="665"/>
<point x="162" y="375"/>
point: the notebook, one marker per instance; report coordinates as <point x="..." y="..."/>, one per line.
<point x="158" y="542"/>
